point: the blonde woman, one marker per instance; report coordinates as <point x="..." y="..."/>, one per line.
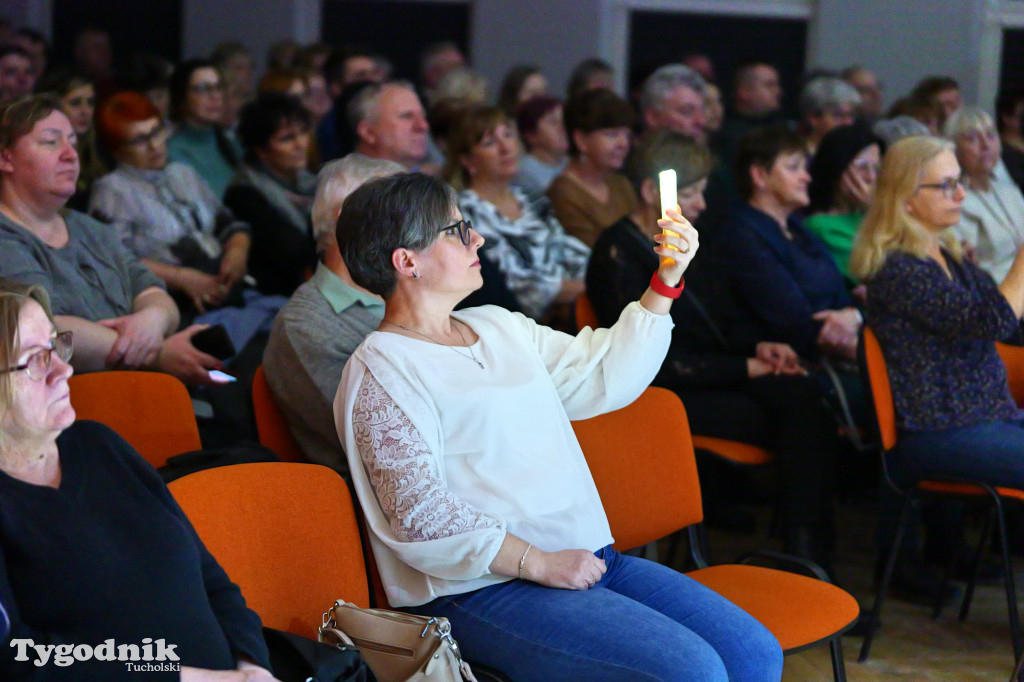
<point x="937" y="317"/>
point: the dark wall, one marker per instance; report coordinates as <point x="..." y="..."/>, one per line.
<point x="398" y="30"/>
<point x="1011" y="74"/>
<point x="658" y="38"/>
<point x="138" y="26"/>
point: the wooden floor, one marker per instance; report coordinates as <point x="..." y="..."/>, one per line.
<point x="911" y="646"/>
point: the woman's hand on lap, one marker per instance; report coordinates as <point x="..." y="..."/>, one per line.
<point x="203" y="289"/>
<point x="180" y="358"/>
<point x="570" y="569"/>
<point x="139" y="339"/>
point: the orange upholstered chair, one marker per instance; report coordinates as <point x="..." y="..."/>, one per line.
<point x="150" y="410"/>
<point x="642" y="461"/>
<point x="876" y="375"/>
<point x="1013" y="358"/>
<point x="585" y="315"/>
<point x="271" y="426"/>
<point x="285" y="533"/>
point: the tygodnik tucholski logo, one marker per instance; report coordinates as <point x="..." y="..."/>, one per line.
<point x="149" y="656"/>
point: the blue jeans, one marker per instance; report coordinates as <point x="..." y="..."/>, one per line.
<point x="642" y="621"/>
<point x="992" y="452"/>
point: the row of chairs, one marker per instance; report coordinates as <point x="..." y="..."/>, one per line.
<point x="292" y="561"/>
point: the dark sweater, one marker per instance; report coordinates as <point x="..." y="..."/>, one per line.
<point x="938" y="337"/>
<point x="110" y="555"/>
<point x="711" y="339"/>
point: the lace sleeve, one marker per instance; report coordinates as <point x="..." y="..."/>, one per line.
<point x="404" y="473"/>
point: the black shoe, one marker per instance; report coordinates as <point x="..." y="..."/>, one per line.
<point x="917" y="583"/>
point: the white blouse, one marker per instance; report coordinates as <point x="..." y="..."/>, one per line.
<point x="992" y="223"/>
<point x="446" y="458"/>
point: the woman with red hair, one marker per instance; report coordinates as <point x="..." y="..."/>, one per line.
<point x="167" y="215"/>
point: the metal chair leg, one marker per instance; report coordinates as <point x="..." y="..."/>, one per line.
<point x="983" y="545"/>
<point x="876" y="611"/>
<point x="1011" y="590"/>
<point x="835" y="647"/>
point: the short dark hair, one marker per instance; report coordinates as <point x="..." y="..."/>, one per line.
<point x="530" y="112"/>
<point x="260" y="119"/>
<point x="18" y="117"/>
<point x="8" y="50"/>
<point x="927" y="88"/>
<point x="508" y="93"/>
<point x="406" y="210"/>
<point x="836" y="151"/>
<point x="1006" y="104"/>
<point x="179" y="84"/>
<point x="583" y="72"/>
<point x="62" y="81"/>
<point x="595" y="110"/>
<point x="760" y="147"/>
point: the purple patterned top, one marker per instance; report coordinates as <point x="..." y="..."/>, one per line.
<point x="937" y="335"/>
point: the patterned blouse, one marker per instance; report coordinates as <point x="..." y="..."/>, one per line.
<point x="534" y="253"/>
<point x="938" y="335"/>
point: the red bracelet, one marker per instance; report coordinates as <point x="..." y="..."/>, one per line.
<point x="664" y="289"/>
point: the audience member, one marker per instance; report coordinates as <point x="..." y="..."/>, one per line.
<point x="825" y="103"/>
<point x="590" y="194"/>
<point x="390" y="123"/>
<point x="757" y="96"/>
<point x="170" y="220"/>
<point x="714" y="110"/>
<point x="673" y="97"/>
<point x="927" y="112"/>
<point x="1009" y="117"/>
<point x="118" y="310"/>
<point x="542" y="129"/>
<point x="590" y="74"/>
<point x="936" y="316"/>
<point x="151" y="75"/>
<point x="540" y="264"/>
<point x="869" y="88"/>
<point x="281" y="55"/>
<point x="781" y="274"/>
<point x="843" y="175"/>
<point x="717" y="362"/>
<point x="316" y="99"/>
<point x="283" y="82"/>
<point x="273" y="192"/>
<point x="80" y="490"/>
<point x="93" y="56"/>
<point x="520" y="84"/>
<point x="436" y="60"/>
<point x="940" y="91"/>
<point x="197" y="107"/>
<point x="412" y="392"/>
<point x="702" y="64"/>
<point x="323" y="322"/>
<point x="462" y="84"/>
<point x="889" y="130"/>
<point x="235" y="65"/>
<point x="16" y="76"/>
<point x="991" y="226"/>
<point x="34" y="43"/>
<point x="312" y="57"/>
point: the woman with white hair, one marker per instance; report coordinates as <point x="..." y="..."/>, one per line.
<point x="825" y="103"/>
<point x="323" y="322"/>
<point x="991" y="226"/>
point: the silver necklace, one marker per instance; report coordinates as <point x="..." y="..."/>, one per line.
<point x="471" y="356"/>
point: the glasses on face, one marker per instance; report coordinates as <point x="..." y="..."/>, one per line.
<point x="38" y="364"/>
<point x="463" y="227"/>
<point x="207" y="88"/>
<point x="157" y="134"/>
<point x="948" y="187"/>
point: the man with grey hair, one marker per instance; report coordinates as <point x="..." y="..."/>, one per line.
<point x="390" y="123"/>
<point x="826" y="102"/>
<point x="324" y="321"/>
<point x="673" y="97"/>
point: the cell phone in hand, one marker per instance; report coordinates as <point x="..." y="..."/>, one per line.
<point x="214" y="341"/>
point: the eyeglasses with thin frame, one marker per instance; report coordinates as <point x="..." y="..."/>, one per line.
<point x="141" y="141"/>
<point x="948" y="187"/>
<point x="38" y="364"/>
<point x="463" y="226"/>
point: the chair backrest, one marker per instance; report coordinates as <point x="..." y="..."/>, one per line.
<point x="585" y="314"/>
<point x="641" y="458"/>
<point x="881" y="391"/>
<point x="271" y="425"/>
<point x="285" y="533"/>
<point x="1013" y="358"/>
<point x="150" y="410"/>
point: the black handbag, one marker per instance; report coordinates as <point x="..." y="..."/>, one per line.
<point x="299" y="659"/>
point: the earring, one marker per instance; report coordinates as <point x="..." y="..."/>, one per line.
<point x="415" y="275"/>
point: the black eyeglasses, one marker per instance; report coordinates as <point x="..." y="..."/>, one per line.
<point x="463" y="226"/>
<point x="157" y="134"/>
<point x="948" y="187"/>
<point x="38" y="364"/>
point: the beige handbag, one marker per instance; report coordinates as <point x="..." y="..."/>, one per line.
<point x="398" y="646"/>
